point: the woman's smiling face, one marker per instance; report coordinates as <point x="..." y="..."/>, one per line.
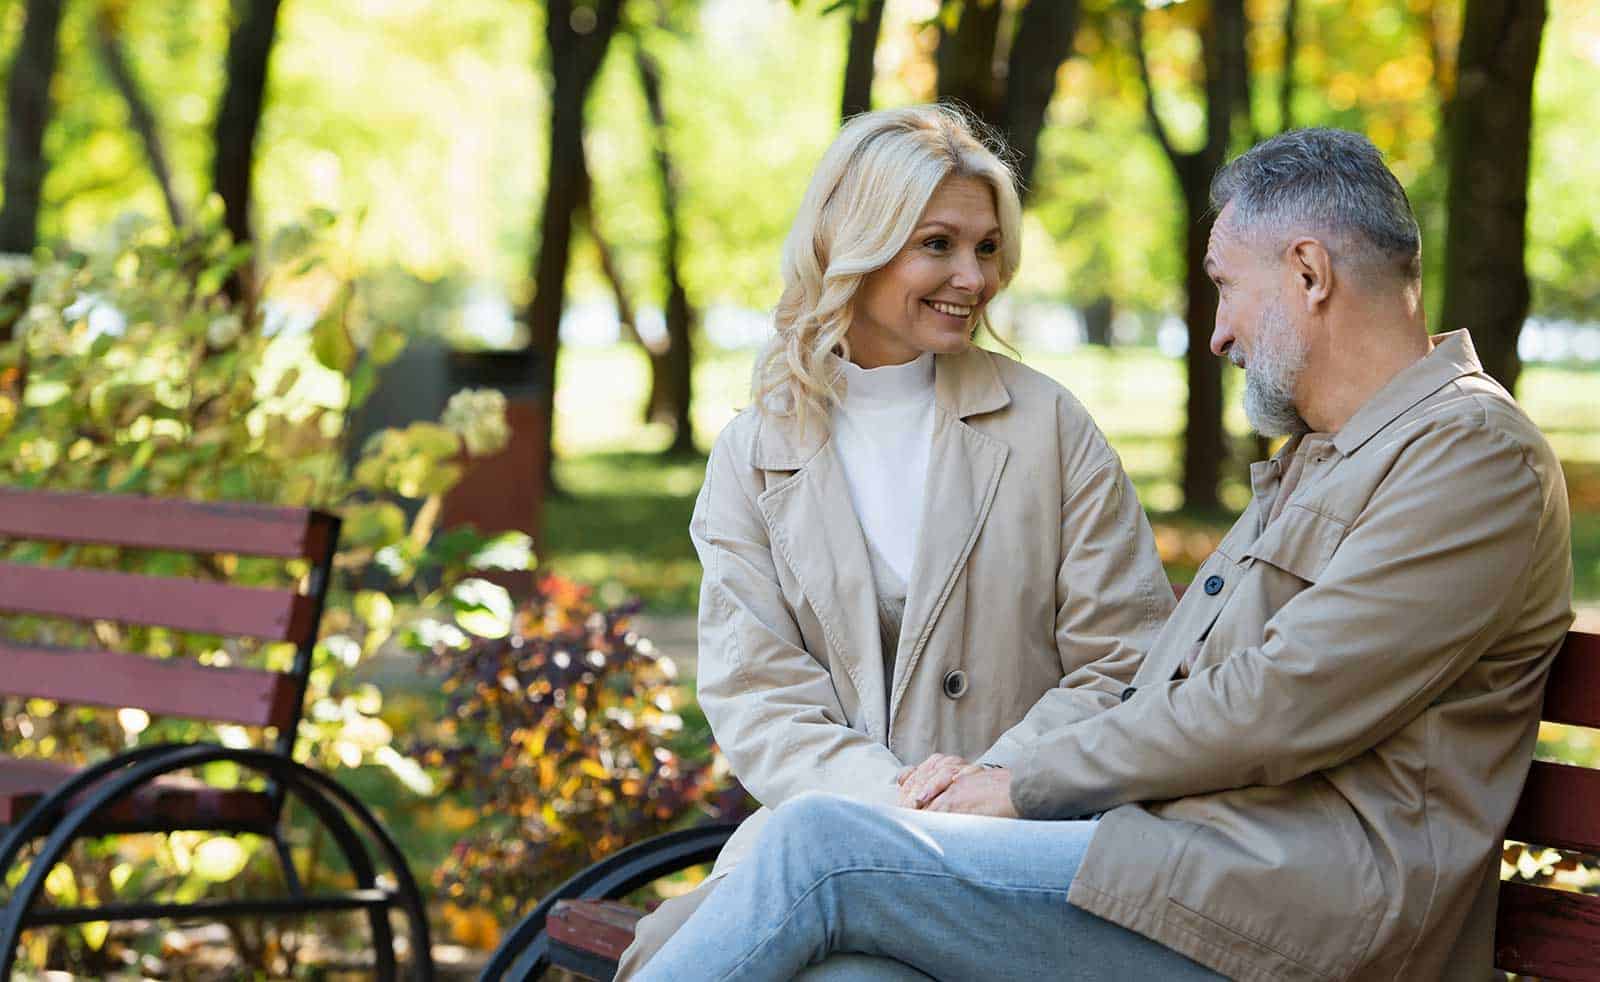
<point x="928" y="297"/>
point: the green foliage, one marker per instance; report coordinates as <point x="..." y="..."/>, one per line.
<point x="561" y="727"/>
<point x="129" y="370"/>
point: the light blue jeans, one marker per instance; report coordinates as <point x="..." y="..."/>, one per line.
<point x="912" y="895"/>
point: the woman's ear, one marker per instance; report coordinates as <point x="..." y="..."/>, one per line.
<point x="1312" y="268"/>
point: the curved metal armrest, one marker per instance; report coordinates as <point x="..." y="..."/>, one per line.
<point x="525" y="949"/>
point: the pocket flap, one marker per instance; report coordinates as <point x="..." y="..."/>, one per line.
<point x="1300" y="542"/>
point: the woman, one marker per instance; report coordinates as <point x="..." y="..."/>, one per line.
<point x="909" y="542"/>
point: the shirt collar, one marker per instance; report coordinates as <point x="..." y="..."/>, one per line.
<point x="965" y="384"/>
<point x="1451" y="357"/>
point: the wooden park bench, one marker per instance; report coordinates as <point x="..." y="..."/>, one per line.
<point x="50" y="804"/>
<point x="1540" y="932"/>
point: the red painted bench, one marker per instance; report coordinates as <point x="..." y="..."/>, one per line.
<point x="50" y="804"/>
<point x="1540" y="931"/>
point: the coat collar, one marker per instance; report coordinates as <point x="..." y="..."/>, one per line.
<point x="1452" y="357"/>
<point x="965" y="384"/>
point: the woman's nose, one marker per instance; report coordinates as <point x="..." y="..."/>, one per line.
<point x="968" y="275"/>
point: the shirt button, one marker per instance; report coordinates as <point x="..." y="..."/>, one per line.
<point x="1213" y="585"/>
<point x="1128" y="693"/>
<point x="955" y="684"/>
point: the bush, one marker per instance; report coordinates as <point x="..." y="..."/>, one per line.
<point x="564" y="733"/>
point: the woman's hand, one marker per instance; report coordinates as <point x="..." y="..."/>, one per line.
<point x="978" y="791"/>
<point x="927" y="780"/>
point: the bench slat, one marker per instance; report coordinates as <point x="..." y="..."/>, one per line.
<point x="189" y="605"/>
<point x="1547" y="933"/>
<point x="1573" y="694"/>
<point x="164" y="523"/>
<point x="598" y="927"/>
<point x="1559" y="807"/>
<point x="163" y="687"/>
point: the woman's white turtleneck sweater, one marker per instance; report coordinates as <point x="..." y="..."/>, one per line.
<point x="881" y="431"/>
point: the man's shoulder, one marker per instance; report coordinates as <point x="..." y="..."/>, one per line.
<point x="1479" y="412"/>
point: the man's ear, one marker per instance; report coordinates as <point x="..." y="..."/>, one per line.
<point x="1312" y="269"/>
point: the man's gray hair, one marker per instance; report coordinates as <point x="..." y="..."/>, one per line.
<point x="1326" y="180"/>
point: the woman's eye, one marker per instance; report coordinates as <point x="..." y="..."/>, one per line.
<point x="988" y="247"/>
<point x="938" y="243"/>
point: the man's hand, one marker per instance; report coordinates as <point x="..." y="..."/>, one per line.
<point x="977" y="791"/>
<point x="922" y="783"/>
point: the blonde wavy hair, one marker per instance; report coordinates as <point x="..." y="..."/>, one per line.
<point x="859" y="211"/>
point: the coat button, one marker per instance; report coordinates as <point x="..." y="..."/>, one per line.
<point x="955" y="684"/>
<point x="1213" y="585"/>
<point x="1128" y="693"/>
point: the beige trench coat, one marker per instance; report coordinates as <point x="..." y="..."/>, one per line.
<point x="1324" y="796"/>
<point x="1033" y="561"/>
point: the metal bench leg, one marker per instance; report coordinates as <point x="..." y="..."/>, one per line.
<point x="320" y="793"/>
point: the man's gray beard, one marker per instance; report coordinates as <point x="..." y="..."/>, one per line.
<point x="1276" y="361"/>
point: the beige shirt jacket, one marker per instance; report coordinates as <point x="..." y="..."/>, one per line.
<point x="1324" y="796"/>
<point x="1034" y="560"/>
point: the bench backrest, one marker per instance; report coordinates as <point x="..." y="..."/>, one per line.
<point x="1545" y="932"/>
<point x="165" y="686"/>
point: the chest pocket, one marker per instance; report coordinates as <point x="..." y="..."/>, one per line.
<point x="1299" y="543"/>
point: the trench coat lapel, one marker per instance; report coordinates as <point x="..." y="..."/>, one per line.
<point x="815" y="530"/>
<point x="964" y="469"/>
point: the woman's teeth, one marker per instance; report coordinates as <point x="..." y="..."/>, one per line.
<point x="954" y="310"/>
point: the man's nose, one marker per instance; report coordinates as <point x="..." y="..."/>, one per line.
<point x="1221" y="340"/>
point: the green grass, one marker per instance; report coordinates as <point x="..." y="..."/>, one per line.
<point x="624" y="522"/>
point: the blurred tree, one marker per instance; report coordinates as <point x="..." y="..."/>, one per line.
<point x="866" y="19"/>
<point x="1222" y="27"/>
<point x="239" y="117"/>
<point x="577" y="33"/>
<point x="108" y="35"/>
<point x="1003" y="66"/>
<point x="1490" y="125"/>
<point x="672" y="375"/>
<point x="27" y="114"/>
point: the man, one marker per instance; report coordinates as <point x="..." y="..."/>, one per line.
<point x="1308" y="775"/>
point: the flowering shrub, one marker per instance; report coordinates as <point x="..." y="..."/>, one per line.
<point x="564" y="731"/>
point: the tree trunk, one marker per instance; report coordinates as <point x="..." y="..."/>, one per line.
<point x="966" y="59"/>
<point x="1043" y="40"/>
<point x="575" y="59"/>
<point x="238" y="119"/>
<point x="1097" y="318"/>
<point x="1204" y="444"/>
<point x="1485" y="281"/>
<point x="1291" y="50"/>
<point x="865" y="23"/>
<point x="678" y="360"/>
<point x="27" y="115"/>
<point x="108" y="31"/>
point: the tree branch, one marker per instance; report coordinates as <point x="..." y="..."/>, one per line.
<point x="608" y="261"/>
<point x="1156" y="126"/>
<point x="108" y="33"/>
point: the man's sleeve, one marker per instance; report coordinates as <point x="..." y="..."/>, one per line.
<point x="1112" y="596"/>
<point x="1411" y="598"/>
<point x="771" y="704"/>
